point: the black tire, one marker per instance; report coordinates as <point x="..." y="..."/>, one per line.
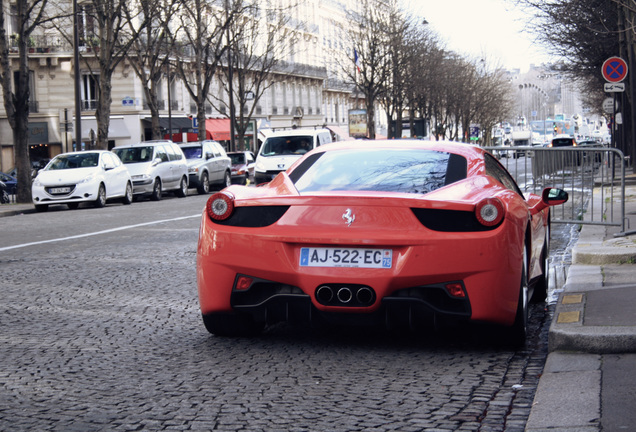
<point x="227" y="179"/>
<point x="41" y="208"/>
<point x="4" y="198"/>
<point x="519" y="330"/>
<point x="100" y="201"/>
<point x="182" y="192"/>
<point x="231" y="324"/>
<point x="541" y="286"/>
<point x="73" y="206"/>
<point x="156" y="190"/>
<point x="204" y="185"/>
<point x="128" y="195"/>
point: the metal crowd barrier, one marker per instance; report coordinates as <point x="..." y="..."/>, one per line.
<point x="592" y="176"/>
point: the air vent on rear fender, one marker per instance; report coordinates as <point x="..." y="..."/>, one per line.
<point x="254" y="217"/>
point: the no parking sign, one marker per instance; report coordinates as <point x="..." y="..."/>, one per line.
<point x="614" y="69"/>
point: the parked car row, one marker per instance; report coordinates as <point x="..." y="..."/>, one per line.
<point x="146" y="169"/>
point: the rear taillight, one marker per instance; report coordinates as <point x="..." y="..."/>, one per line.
<point x="489" y="212"/>
<point x="220" y="206"/>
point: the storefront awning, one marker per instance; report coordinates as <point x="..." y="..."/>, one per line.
<point x="218" y="129"/>
<point x="117" y="128"/>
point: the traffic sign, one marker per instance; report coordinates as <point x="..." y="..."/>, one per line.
<point x="610" y="106"/>
<point x="614" y="69"/>
<point x="614" y="87"/>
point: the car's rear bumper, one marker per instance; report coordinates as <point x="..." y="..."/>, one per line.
<point x="488" y="269"/>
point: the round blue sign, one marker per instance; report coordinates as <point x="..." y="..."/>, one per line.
<point x="614" y="69"/>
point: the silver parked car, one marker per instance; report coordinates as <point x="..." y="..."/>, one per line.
<point x="208" y="164"/>
<point x="155" y="167"/>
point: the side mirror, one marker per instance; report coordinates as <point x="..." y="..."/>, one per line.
<point x="554" y="196"/>
<point x="156" y="162"/>
<point x="550" y="197"/>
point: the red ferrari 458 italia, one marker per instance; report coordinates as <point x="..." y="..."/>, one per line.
<point x="392" y="232"/>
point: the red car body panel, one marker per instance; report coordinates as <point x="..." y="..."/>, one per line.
<point x="488" y="263"/>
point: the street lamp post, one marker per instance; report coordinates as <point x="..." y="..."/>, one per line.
<point x="76" y="71"/>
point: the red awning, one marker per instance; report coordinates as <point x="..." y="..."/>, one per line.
<point x="217" y="129"/>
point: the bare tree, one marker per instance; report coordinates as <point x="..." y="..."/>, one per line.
<point x="368" y="36"/>
<point x="255" y="50"/>
<point x="107" y="35"/>
<point x="149" y="53"/>
<point x="585" y="33"/>
<point x="29" y="14"/>
<point x="393" y="94"/>
<point x="201" y="43"/>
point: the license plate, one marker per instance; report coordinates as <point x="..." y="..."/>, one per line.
<point x="345" y="257"/>
<point x="60" y="190"/>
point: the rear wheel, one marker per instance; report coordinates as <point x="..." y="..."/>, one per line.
<point x="227" y="179"/>
<point x="128" y="195"/>
<point x="101" y="197"/>
<point x="156" y="190"/>
<point x="182" y="192"/>
<point x="519" y="330"/>
<point x="541" y="286"/>
<point x="231" y="324"/>
<point x="204" y="184"/>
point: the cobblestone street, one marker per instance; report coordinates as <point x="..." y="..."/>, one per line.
<point x="104" y="333"/>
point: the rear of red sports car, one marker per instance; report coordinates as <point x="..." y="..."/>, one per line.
<point x="393" y="232"/>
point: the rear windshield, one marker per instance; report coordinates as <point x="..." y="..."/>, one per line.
<point x="134" y="154"/>
<point x="389" y="170"/>
<point x="237" y="158"/>
<point x="292" y="145"/>
<point x="193" y="152"/>
<point x="562" y="142"/>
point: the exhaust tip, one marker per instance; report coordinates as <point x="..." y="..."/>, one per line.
<point x="365" y="296"/>
<point x="345" y="295"/>
<point x="324" y="294"/>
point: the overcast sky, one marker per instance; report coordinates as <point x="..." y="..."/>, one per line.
<point x="478" y="28"/>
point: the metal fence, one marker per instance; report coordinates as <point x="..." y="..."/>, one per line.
<point x="594" y="178"/>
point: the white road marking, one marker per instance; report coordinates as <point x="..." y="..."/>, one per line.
<point x="97" y="233"/>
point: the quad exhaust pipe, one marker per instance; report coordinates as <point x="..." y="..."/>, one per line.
<point x="341" y="295"/>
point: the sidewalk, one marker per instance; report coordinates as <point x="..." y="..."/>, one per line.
<point x="589" y="380"/>
<point x="15" y="209"/>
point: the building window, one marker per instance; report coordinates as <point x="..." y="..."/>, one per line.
<point x="90" y="90"/>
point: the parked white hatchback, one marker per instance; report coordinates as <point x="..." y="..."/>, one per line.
<point x="87" y="176"/>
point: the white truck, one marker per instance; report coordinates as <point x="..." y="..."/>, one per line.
<point x="520" y="138"/>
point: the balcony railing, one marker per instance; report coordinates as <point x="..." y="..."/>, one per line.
<point x="89" y="105"/>
<point x="42" y="44"/>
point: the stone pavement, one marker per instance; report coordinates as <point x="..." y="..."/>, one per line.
<point x="589" y="380"/>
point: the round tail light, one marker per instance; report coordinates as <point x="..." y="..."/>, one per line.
<point x="489" y="212"/>
<point x="220" y="206"/>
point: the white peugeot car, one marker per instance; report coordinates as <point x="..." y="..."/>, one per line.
<point x="86" y="176"/>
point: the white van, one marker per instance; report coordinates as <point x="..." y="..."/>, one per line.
<point x="281" y="149"/>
